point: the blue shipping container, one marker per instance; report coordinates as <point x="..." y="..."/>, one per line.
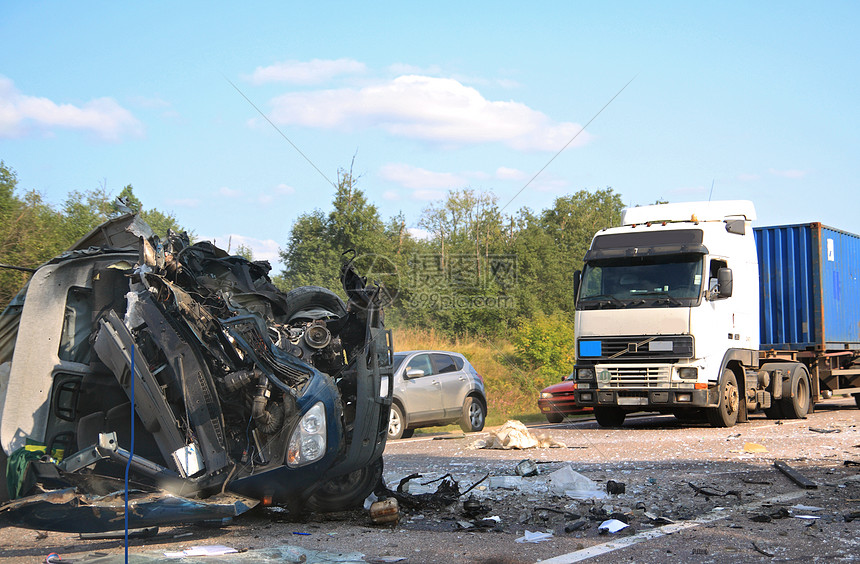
<point x="809" y="287"/>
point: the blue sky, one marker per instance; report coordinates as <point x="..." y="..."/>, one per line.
<point x="758" y="98"/>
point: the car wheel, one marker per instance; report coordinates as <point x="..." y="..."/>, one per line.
<point x="609" y="416"/>
<point x="348" y="491"/>
<point x="396" y="423"/>
<point x="474" y="414"/>
<point x="857" y="399"/>
<point x="726" y="413"/>
<point x="554" y="417"/>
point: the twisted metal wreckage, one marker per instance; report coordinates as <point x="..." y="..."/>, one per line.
<point x="241" y="393"/>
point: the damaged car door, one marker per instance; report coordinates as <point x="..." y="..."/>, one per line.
<point x="190" y="366"/>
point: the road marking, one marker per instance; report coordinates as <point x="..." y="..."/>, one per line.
<point x="607" y="547"/>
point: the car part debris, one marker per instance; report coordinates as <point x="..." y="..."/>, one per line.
<point x="795" y="476"/>
<point x="527" y="468"/>
<point x="615" y="488"/>
<point x="385" y="511"/>
<point x="238" y="388"/>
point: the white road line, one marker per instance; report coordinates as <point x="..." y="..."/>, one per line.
<point x="600" y="549"/>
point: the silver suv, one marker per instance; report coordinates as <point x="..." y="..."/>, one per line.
<point x="435" y="388"/>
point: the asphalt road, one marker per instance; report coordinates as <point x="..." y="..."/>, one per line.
<point x="692" y="494"/>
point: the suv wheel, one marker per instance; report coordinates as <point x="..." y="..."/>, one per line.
<point x="396" y="423"/>
<point x="474" y="415"/>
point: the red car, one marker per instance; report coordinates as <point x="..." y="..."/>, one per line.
<point x="558" y="401"/>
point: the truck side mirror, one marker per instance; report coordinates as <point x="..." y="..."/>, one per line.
<point x="724" y="277"/>
<point x="577" y="280"/>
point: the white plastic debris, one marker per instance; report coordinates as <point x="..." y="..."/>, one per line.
<point x="206" y="550"/>
<point x="506" y="482"/>
<point x="566" y="481"/>
<point x="611" y="526"/>
<point x="514" y="435"/>
<point x="801" y="507"/>
<point x="535" y="536"/>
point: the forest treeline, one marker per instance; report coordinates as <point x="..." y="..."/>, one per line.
<point x="471" y="269"/>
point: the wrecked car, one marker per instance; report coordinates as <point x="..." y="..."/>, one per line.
<point x="189" y="367"/>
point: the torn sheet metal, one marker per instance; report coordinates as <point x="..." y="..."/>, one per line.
<point x="69" y="511"/>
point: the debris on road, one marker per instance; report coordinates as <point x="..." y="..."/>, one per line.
<point x="615" y="488"/>
<point x="515" y="435"/>
<point x="566" y="481"/>
<point x="611" y="526"/>
<point x="385" y="511"/>
<point x="536" y="536"/>
<point x="795" y="476"/>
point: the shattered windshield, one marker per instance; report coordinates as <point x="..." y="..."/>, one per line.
<point x="662" y="281"/>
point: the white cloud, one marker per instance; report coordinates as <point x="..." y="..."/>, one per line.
<point x="262" y="249"/>
<point x="390" y="195"/>
<point x="416" y="178"/>
<point x="505" y="173"/>
<point x="310" y="72"/>
<point x="790" y="173"/>
<point x="102" y="117"/>
<point x="284" y="189"/>
<point x="426" y="108"/>
<point x="229" y="192"/>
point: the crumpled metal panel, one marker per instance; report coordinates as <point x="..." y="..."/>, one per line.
<point x="69" y="511"/>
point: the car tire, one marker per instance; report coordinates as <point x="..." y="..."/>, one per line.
<point x="554" y="417"/>
<point x="396" y="423"/>
<point x="857" y="399"/>
<point x="726" y="413"/>
<point x="474" y="415"/>
<point x="609" y="416"/>
<point x="348" y="491"/>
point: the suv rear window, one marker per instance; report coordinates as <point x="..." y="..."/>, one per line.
<point x="444" y="363"/>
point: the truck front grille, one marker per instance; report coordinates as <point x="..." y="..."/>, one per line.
<point x="631" y="375"/>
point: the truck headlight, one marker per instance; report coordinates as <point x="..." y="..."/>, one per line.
<point x="307" y="443"/>
<point x="545" y="395"/>
<point x="688" y="373"/>
<point x="585" y="374"/>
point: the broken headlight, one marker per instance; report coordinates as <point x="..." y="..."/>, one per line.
<point x="307" y="444"/>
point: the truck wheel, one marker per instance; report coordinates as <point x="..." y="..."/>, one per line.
<point x="396" y="423"/>
<point x="797" y="405"/>
<point x="726" y="413"/>
<point x="346" y="492"/>
<point x="474" y="415"/>
<point x="609" y="416"/>
<point x="554" y="417"/>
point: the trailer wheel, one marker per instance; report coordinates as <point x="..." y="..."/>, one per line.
<point x="796" y="406"/>
<point x="609" y="416"/>
<point x="726" y="413"/>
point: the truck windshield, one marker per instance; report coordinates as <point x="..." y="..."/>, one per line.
<point x="660" y="281"/>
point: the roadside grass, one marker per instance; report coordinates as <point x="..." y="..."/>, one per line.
<point x="512" y="388"/>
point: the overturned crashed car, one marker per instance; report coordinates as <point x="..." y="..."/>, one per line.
<point x="188" y="369"/>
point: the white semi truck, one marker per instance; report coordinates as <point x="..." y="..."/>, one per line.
<point x="687" y="309"/>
